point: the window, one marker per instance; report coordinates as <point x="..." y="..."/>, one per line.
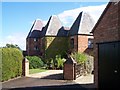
<point x="90" y="43"/>
<point x="35" y="39"/>
<point x="72" y="42"/>
<point x="36" y="48"/>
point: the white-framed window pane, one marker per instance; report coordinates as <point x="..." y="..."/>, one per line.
<point x="90" y="43"/>
<point x="35" y="39"/>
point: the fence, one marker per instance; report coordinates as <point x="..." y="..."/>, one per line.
<point x="72" y="70"/>
<point x="79" y="70"/>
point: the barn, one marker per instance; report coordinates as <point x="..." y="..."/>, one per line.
<point x="107" y="47"/>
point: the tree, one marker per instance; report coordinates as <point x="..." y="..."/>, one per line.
<point x="12" y="46"/>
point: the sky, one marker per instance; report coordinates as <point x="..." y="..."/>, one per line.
<point x="18" y="17"/>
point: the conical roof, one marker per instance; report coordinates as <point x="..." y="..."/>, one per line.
<point x="38" y="24"/>
<point x="82" y="25"/>
<point x="53" y="26"/>
<point x="36" y="29"/>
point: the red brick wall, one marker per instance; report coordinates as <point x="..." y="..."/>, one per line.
<point x="82" y="43"/>
<point x="30" y="44"/>
<point x="119" y="20"/>
<point x="68" y="71"/>
<point x="107" y="30"/>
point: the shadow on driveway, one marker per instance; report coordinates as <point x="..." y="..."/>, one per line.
<point x="53" y="81"/>
<point x="70" y="86"/>
<point x="54" y="77"/>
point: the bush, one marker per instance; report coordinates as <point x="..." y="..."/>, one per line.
<point x="35" y="62"/>
<point x="11" y="63"/>
<point x="55" y="63"/>
<point x="49" y="63"/>
<point x="79" y="57"/>
<point x="59" y="61"/>
<point x="85" y="60"/>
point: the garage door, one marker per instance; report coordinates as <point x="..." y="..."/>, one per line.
<point x="109" y="65"/>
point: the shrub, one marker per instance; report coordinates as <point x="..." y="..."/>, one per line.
<point x="11" y="63"/>
<point x="85" y="60"/>
<point x="35" y="62"/>
<point x="79" y="57"/>
<point x="55" y="63"/>
<point x="49" y="63"/>
<point x="59" y="61"/>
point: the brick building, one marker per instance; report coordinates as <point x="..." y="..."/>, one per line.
<point x="53" y="38"/>
<point x="107" y="47"/>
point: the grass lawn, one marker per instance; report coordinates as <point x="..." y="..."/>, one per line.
<point x="32" y="71"/>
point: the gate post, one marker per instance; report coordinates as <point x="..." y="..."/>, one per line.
<point x="25" y="67"/>
<point x="69" y="69"/>
<point x="75" y="71"/>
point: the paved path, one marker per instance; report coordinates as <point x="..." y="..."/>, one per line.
<point x="46" y="73"/>
<point x="49" y="79"/>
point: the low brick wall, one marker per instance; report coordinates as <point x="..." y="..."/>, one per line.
<point x="69" y="69"/>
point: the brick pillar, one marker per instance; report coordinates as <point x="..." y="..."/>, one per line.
<point x="25" y="67"/>
<point x="69" y="69"/>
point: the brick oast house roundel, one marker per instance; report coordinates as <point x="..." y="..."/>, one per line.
<point x="53" y="37"/>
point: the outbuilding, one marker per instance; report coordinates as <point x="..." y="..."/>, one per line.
<point x="107" y="47"/>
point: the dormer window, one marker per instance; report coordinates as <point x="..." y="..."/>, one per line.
<point x="35" y="39"/>
<point x="90" y="43"/>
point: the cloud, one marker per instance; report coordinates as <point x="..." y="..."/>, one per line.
<point x="69" y="16"/>
<point x="44" y="21"/>
<point x="15" y="38"/>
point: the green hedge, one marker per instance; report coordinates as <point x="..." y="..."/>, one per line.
<point x="11" y="63"/>
<point x="35" y="62"/>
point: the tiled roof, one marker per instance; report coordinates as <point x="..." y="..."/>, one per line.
<point x="82" y="25"/>
<point x="53" y="26"/>
<point x="38" y="25"/>
<point x="36" y="29"/>
<point x="75" y="27"/>
<point x="62" y="32"/>
<point x="35" y="34"/>
<point x="86" y="24"/>
<point x="66" y="28"/>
